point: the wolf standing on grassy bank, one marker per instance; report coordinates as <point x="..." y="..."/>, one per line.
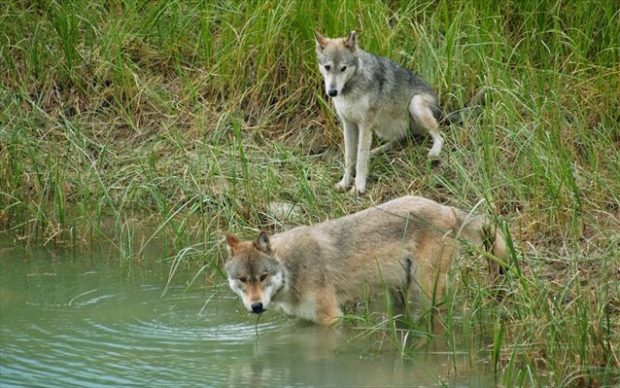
<point x="404" y="245"/>
<point x="372" y="93"/>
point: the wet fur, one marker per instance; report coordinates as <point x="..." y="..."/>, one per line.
<point x="406" y="244"/>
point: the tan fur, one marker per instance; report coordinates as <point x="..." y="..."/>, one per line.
<point x="405" y="244"/>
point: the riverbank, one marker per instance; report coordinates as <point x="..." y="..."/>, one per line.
<point x="195" y="117"/>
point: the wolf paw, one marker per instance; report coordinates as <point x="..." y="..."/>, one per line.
<point x="434" y="160"/>
<point x="342" y="185"/>
<point x="356" y="190"/>
<point x="433" y="155"/>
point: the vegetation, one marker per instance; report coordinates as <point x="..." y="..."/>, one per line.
<point x="192" y="117"/>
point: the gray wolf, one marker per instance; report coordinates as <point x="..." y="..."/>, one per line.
<point x="405" y="245"/>
<point x="372" y="93"/>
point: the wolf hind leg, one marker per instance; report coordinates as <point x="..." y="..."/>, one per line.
<point x="399" y="299"/>
<point x="420" y="109"/>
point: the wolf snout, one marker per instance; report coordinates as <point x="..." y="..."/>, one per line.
<point x="257" y="308"/>
<point x="332" y="92"/>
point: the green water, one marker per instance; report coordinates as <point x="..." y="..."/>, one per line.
<point x="86" y="319"/>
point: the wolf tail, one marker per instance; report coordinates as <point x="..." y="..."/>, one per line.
<point x="482" y="230"/>
<point x="473" y="107"/>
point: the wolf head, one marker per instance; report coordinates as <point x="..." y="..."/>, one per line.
<point x="338" y="61"/>
<point x="253" y="271"/>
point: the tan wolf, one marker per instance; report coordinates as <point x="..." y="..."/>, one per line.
<point x="373" y="94"/>
<point x="405" y="244"/>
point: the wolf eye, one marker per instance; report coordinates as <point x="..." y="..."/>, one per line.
<point x="263" y="277"/>
<point x="343" y="68"/>
<point x="328" y="67"/>
<point x="243" y="279"/>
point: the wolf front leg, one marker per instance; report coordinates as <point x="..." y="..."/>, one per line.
<point x="350" y="146"/>
<point x="363" y="157"/>
<point x="328" y="312"/>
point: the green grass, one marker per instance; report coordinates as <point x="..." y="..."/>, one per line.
<point x="190" y="117"/>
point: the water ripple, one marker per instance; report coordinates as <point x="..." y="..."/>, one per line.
<point x="117" y="338"/>
<point x="61" y="328"/>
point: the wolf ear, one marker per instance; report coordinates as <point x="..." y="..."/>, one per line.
<point x="232" y="243"/>
<point x="263" y="243"/>
<point x="321" y="42"/>
<point x="351" y="41"/>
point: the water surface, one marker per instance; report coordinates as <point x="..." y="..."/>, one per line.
<point x="89" y="319"/>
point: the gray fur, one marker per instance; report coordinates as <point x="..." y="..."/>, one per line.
<point x="373" y="94"/>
